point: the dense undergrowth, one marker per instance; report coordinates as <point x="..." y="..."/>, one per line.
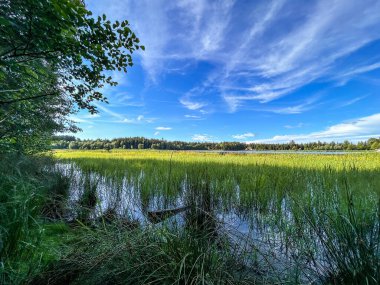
<point x="24" y="188"/>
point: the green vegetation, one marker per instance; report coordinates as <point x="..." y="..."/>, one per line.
<point x="315" y="215"/>
<point x="54" y="59"/>
<point x="84" y="217"/>
<point x="252" y="219"/>
<point x="26" y="189"/>
<point x="70" y="142"/>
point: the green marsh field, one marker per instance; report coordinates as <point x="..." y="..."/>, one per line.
<point x="274" y="218"/>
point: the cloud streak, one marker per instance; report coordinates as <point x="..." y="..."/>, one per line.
<point x="163" y="128"/>
<point x="277" y="51"/>
<point x="244" y="136"/>
<point x="202" y="138"/>
<point x="361" y="128"/>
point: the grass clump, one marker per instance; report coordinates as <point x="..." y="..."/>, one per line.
<point x="155" y="255"/>
<point x="348" y="239"/>
<point x="25" y="185"/>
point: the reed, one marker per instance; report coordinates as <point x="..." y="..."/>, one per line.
<point x="317" y="213"/>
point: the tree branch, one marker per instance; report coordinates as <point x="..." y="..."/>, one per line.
<point x="11" y="90"/>
<point x="26" y="98"/>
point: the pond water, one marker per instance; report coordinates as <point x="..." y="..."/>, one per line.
<point x="254" y="234"/>
<point x="331" y="152"/>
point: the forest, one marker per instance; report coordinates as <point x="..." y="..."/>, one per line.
<point x="71" y="142"/>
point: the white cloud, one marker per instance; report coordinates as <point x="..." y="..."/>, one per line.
<point x="359" y="70"/>
<point x="193" y="117"/>
<point x="78" y="120"/>
<point x="291" y="110"/>
<point x="202" y="138"/>
<point x="244" y="136"/>
<point x="259" y="50"/>
<point x="120" y="118"/>
<point x="91" y="116"/>
<point x="128" y="121"/>
<point x="330" y="31"/>
<point x="110" y="112"/>
<point x="352" y="101"/>
<point x="150" y="120"/>
<point x="268" y="67"/>
<point x="308" y="104"/>
<point x="123" y="98"/>
<point x="299" y="125"/>
<point x="191" y="105"/>
<point x="357" y="129"/>
<point x="163" y="128"/>
<point x="156" y="133"/>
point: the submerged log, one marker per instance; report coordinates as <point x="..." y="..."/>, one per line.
<point x="161" y="215"/>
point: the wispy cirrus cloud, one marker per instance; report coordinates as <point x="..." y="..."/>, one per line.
<point x="91" y="116"/>
<point x="188" y="103"/>
<point x="310" y="51"/>
<point x="77" y="119"/>
<point x="296" y="126"/>
<point x="244" y="136"/>
<point x="260" y="51"/>
<point x="109" y="112"/>
<point x="121" y="118"/>
<point x="297" y="109"/>
<point x="356" y="129"/>
<point x="202" y="138"/>
<point x="163" y="128"/>
<point x="358" y="70"/>
<point x="352" y="101"/>
<point x="195" y="117"/>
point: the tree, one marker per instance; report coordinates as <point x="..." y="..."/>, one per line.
<point x="73" y="145"/>
<point x="27" y="125"/>
<point x="62" y="32"/>
<point x="55" y="57"/>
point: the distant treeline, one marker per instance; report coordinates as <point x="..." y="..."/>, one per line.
<point x="70" y="142"/>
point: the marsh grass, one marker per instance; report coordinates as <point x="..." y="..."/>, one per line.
<point x="150" y="256"/>
<point x="252" y="219"/>
<point x="25" y="188"/>
<point x="310" y="218"/>
<point x="349" y="239"/>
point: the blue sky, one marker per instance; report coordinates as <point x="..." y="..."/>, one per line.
<point x="250" y="71"/>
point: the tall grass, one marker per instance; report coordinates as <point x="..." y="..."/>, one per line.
<point x="251" y="219"/>
<point x="310" y="218"/>
<point x="348" y="239"/>
<point x="24" y="188"/>
<point x="111" y="255"/>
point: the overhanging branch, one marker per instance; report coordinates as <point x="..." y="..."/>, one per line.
<point x="26" y="98"/>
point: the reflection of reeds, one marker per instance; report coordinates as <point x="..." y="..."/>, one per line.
<point x="88" y="200"/>
<point x="201" y="217"/>
<point x="348" y="239"/>
<point x="54" y="207"/>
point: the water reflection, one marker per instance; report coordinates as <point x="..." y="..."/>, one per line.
<point x="257" y="232"/>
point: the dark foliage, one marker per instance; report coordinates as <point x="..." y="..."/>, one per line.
<point x="144" y="143"/>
